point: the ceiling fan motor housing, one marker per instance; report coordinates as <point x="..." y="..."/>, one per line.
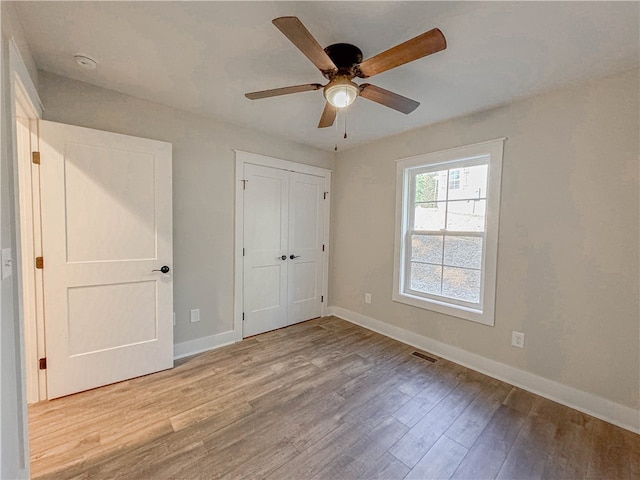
<point x="345" y="56"/>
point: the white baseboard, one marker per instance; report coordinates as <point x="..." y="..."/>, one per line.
<point x="204" y="344"/>
<point x="599" y="407"/>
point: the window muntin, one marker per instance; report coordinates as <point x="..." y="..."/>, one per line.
<point x="447" y="240"/>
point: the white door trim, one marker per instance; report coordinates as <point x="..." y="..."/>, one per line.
<point x="19" y="70"/>
<point x="23" y="96"/>
<point x="256" y="159"/>
<point x="26" y="103"/>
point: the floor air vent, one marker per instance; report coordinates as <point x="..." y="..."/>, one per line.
<point x="425" y="357"/>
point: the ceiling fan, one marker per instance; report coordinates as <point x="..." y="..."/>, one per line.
<point x="341" y="62"/>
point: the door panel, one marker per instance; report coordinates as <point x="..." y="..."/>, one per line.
<point x="105" y="317"/>
<point x="305" y="243"/>
<point x="106" y="224"/>
<point x="265" y="242"/>
<point x="119" y="207"/>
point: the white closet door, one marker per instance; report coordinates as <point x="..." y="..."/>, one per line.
<point x="305" y="245"/>
<point x="265" y="244"/>
<point x="283" y="250"/>
<point x="106" y="224"/>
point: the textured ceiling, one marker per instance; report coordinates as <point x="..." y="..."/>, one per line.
<point x="203" y="56"/>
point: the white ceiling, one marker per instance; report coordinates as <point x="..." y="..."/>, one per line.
<point x="203" y="56"/>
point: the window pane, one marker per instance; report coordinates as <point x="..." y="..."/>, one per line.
<point x="461" y="284"/>
<point x="466" y="215"/>
<point x="463" y="252"/>
<point x="426" y="278"/>
<point x="427" y="187"/>
<point x="429" y="216"/>
<point x="469" y="182"/>
<point x="426" y="248"/>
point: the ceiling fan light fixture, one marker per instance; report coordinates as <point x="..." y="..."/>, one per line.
<point x="341" y="92"/>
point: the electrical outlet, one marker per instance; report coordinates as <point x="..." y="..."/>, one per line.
<point x="517" y="339"/>
<point x="195" y="315"/>
<point x="367" y="298"/>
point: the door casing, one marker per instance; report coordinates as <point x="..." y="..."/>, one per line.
<point x="241" y="159"/>
<point x="26" y="104"/>
<point x="23" y="101"/>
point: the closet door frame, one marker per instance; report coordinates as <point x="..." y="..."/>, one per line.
<point x="243" y="158"/>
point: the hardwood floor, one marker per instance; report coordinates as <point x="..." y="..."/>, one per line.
<point x="324" y="399"/>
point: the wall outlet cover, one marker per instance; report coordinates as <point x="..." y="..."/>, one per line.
<point x="517" y="339"/>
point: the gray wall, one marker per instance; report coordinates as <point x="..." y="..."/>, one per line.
<point x="203" y="187"/>
<point x="568" y="241"/>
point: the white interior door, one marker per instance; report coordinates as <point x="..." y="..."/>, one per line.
<point x="265" y="249"/>
<point x="106" y="225"/>
<point x="305" y="246"/>
<point x="283" y="250"/>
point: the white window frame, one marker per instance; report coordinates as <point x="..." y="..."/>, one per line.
<point x="460" y="157"/>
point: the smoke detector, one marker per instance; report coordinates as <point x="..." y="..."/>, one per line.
<point x="86" y="63"/>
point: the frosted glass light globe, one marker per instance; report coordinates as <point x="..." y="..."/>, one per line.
<point x="341" y="92"/>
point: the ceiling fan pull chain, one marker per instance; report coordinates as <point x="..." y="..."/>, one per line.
<point x="345" y="124"/>
<point x="338" y="113"/>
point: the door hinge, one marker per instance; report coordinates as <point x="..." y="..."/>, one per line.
<point x="39" y="263"/>
<point x="243" y="252"/>
<point x="244" y="184"/>
<point x="323" y="247"/>
<point x="42" y="363"/>
<point x="325" y="195"/>
<point x="243" y="316"/>
<point x="35" y="157"/>
<point x="322" y="299"/>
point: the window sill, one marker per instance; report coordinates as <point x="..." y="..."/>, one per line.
<point x="476" y="316"/>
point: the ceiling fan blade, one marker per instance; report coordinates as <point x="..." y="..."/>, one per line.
<point x="283" y="91"/>
<point x="328" y="116"/>
<point x="429" y="42"/>
<point x="387" y="98"/>
<point x="295" y="31"/>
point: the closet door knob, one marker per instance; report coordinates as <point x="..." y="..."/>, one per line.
<point x="163" y="269"/>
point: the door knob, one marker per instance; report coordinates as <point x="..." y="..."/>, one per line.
<point x="283" y="257"/>
<point x="293" y="256"/>
<point x="163" y="269"/>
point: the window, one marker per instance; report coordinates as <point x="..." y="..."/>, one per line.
<point x="454" y="179"/>
<point x="447" y="230"/>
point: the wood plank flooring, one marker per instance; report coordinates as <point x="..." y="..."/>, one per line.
<point x="324" y="399"/>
